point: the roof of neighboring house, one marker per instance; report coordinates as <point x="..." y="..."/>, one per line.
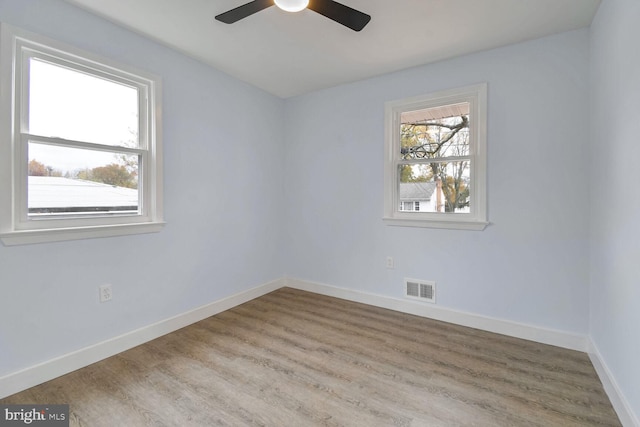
<point x="57" y="192"/>
<point x="416" y="191"/>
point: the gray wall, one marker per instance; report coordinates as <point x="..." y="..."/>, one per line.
<point x="223" y="197"/>
<point x="615" y="224"/>
<point x="530" y="265"/>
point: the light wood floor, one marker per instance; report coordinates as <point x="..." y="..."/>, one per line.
<point x="292" y="358"/>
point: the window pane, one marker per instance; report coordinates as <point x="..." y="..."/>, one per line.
<point x="435" y="187"/>
<point x="69" y="104"/>
<point x="66" y="180"/>
<point x="418" y="188"/>
<point x="435" y="132"/>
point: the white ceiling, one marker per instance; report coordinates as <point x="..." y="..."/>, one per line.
<point x="291" y="54"/>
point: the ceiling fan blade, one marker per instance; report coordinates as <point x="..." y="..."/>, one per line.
<point x="340" y="13"/>
<point x="243" y="11"/>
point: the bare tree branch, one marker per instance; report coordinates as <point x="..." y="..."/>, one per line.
<point x="421" y="151"/>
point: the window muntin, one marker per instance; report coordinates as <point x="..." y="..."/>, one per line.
<point x="80" y="148"/>
<point x="435" y="154"/>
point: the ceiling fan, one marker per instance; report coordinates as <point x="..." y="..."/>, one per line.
<point x="338" y="12"/>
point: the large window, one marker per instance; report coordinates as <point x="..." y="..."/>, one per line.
<point x="80" y="148"/>
<point x="435" y="160"/>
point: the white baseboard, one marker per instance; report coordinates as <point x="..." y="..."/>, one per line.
<point x="505" y="327"/>
<point x="34" y="375"/>
<point x="29" y="377"/>
<point x="619" y="402"/>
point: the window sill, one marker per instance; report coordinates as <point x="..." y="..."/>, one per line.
<point x="25" y="237"/>
<point x="429" y="223"/>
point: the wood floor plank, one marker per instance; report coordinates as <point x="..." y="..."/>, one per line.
<point x="293" y="358"/>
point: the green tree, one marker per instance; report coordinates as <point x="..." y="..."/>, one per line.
<point x="83" y="174"/>
<point x="415" y="173"/>
<point x="112" y="174"/>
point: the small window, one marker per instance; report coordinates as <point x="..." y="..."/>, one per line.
<point x="406" y="206"/>
<point x="80" y="147"/>
<point x="435" y="160"/>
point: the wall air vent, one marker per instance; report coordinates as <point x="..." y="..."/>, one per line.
<point x="422" y="290"/>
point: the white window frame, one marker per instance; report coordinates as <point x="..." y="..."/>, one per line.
<point x="16" y="227"/>
<point x="476" y="219"/>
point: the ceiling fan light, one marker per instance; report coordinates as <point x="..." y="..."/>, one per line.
<point x="292" y="5"/>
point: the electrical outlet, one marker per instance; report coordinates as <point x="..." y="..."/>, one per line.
<point x="105" y="293"/>
<point x="390" y="263"/>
